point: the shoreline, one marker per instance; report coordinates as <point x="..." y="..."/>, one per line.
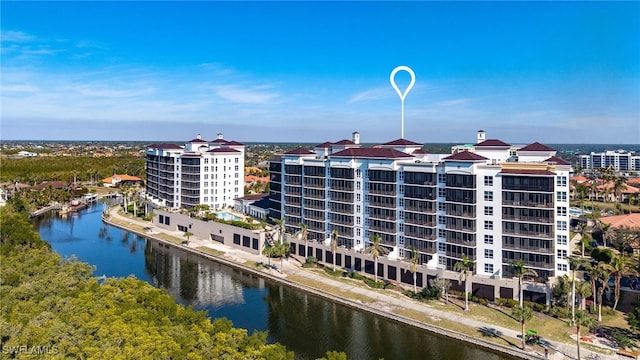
<point x="437" y="330"/>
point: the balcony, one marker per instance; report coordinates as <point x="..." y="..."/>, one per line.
<point x="527" y="248"/>
<point x="531" y="204"/>
<point x="523" y="233"/>
<point x="544" y="220"/>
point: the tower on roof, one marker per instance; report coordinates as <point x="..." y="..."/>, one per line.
<point x="199" y="137"/>
<point x="219" y="136"/>
<point x="356" y="137"/>
<point x="481" y="136"/>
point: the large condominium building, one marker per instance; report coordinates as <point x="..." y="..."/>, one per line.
<point x="617" y="160"/>
<point x="491" y="201"/>
<point x="200" y="172"/>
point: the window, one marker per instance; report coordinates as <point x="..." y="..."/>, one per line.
<point x="236" y="183"/>
<point x="562" y="267"/>
<point x="206" y="184"/>
<point x="488" y="196"/>
<point x="358" y="209"/>
<point x="562" y="225"/>
<point x="561" y="181"/>
<point x="236" y="168"/>
<point x="562" y="196"/>
<point x="206" y="191"/>
<point x="442" y="192"/>
<point x="442" y="260"/>
<point x="401" y="202"/>
<point x="206" y="160"/>
<point x="358" y="185"/>
<point x="561" y="211"/>
<point x="401" y="175"/>
<point x="358" y="198"/>
<point x="401" y="189"/>
<point x="442" y="220"/>
<point x="488" y="210"/>
<point x="442" y="178"/>
<point x="442" y="233"/>
<point x="441" y="206"/>
<point x="488" y="181"/>
<point x="237" y="159"/>
<point x="488" y="239"/>
<point x="358" y="219"/>
<point x="561" y="239"/>
<point x="206" y="176"/>
<point x="561" y="254"/>
<point x="442" y="247"/>
<point x="488" y="254"/>
<point x="401" y="227"/>
<point x="488" y="268"/>
<point x="206" y="199"/>
<point x="358" y="231"/>
<point x="206" y="168"/>
<point x="401" y="215"/>
<point x="488" y="225"/>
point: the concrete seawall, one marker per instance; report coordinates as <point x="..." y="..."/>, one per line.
<point x="346" y="302"/>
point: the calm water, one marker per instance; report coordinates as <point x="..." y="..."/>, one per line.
<point x="305" y="324"/>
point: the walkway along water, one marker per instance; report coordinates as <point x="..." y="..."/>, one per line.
<point x="382" y="306"/>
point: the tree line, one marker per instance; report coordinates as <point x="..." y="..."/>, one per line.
<point x="56" y="304"/>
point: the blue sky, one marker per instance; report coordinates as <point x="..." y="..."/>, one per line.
<point x="553" y="72"/>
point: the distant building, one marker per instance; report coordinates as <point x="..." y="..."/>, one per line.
<point x="200" y="172"/>
<point x="119" y="180"/>
<point x="256" y="206"/>
<point x="618" y="160"/>
<point x="27" y="154"/>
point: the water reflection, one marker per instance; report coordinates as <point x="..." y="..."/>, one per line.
<point x="305" y="324"/>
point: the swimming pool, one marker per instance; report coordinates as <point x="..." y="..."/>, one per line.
<point x="227" y="216"/>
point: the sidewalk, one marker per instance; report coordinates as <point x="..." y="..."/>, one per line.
<point x="382" y="304"/>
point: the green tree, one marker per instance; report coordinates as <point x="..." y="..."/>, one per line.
<point x="522" y="314"/>
<point x="585" y="237"/>
<point x="414" y="267"/>
<point x="376" y="250"/>
<point x="620" y="266"/>
<point x="465" y="268"/>
<point x="303" y="234"/>
<point x="281" y="229"/>
<point x="187" y="234"/>
<point x="582" y="321"/>
<point x="334" y="247"/>
<point x="281" y="250"/>
<point x="521" y="271"/>
<point x="574" y="265"/>
<point x="583" y="290"/>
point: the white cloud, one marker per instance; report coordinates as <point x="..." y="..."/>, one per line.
<point x="15" y="36"/>
<point x="454" y="102"/>
<point x="250" y="95"/>
<point x="371" y="95"/>
<point x="19" y="88"/>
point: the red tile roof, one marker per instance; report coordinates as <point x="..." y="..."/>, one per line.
<point x="558" y="160"/>
<point x="253" y="197"/>
<point x="386" y="153"/>
<point x="164" y="146"/>
<point x="465" y="156"/>
<point x="299" y="151"/>
<point x="223" y="150"/>
<point x="234" y="143"/>
<point x="419" y="152"/>
<point x="404" y="142"/>
<point x="197" y="141"/>
<point x="526" y="172"/>
<point x="220" y="141"/>
<point x="536" y="146"/>
<point x="344" y="142"/>
<point x="324" y="145"/>
<point x="493" y="142"/>
<point x="53" y="184"/>
<point x="629" y="220"/>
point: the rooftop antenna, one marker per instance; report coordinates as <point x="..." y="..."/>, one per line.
<point x="404" y="94"/>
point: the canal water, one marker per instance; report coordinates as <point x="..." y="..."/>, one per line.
<point x="306" y="324"/>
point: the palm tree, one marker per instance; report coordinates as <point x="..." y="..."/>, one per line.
<point x="584" y="235"/>
<point x="414" y="267"/>
<point x="281" y="228"/>
<point x="282" y="250"/>
<point x="621" y="266"/>
<point x="303" y="234"/>
<point x="582" y="192"/>
<point x="334" y="247"/>
<point x="375" y="249"/>
<point x="619" y="184"/>
<point x="592" y="270"/>
<point x="464" y="267"/>
<point x="603" y="272"/>
<point x="583" y="320"/>
<point x="574" y="264"/>
<point x="522" y="314"/>
<point x="187" y="234"/>
<point x="607" y="232"/>
<point x="521" y="271"/>
<point x="583" y="290"/>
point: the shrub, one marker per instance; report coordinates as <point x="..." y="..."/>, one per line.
<point x="431" y="293"/>
<point x="356" y="276"/>
<point x="331" y="272"/>
<point x="374" y="284"/>
<point x="510" y="303"/>
<point x="560" y="312"/>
